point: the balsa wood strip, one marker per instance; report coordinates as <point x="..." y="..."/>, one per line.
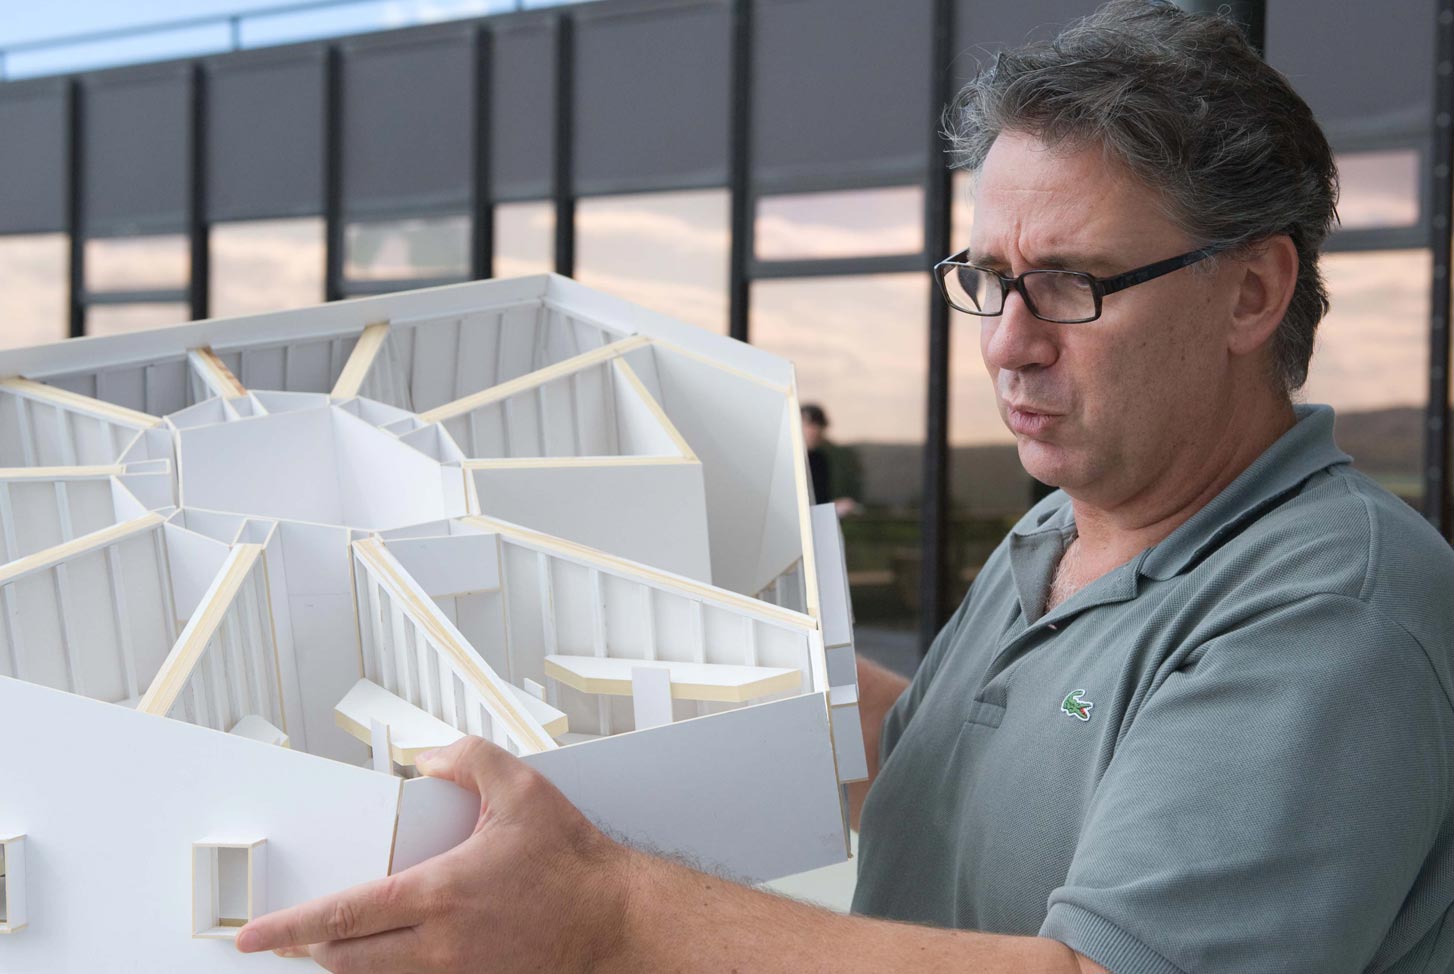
<point x="411" y="729"/>
<point x="639" y="387"/>
<point x="215" y="374"/>
<point x="805" y="525"/>
<point x="74" y="401"/>
<point x="529" y="735"/>
<point x="61" y="473"/>
<point x="356" y="369"/>
<point x="637" y="572"/>
<point x="177" y="668"/>
<point x="531" y="380"/>
<point x="715" y="682"/>
<point x="567" y="462"/>
<point x="55" y="555"/>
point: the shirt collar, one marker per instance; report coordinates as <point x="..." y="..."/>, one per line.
<point x="1302" y="451"/>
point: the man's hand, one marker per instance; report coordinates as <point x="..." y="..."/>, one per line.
<point x="535" y="888"/>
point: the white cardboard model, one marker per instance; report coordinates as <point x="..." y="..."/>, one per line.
<point x="251" y="568"/>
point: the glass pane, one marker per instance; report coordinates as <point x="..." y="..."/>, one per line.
<point x="133" y="263"/>
<point x="399" y="249"/>
<point x="857" y="223"/>
<point x="667" y="251"/>
<point x="1371" y="362"/>
<point x="1378" y="189"/>
<point x="33" y="281"/>
<point x="524" y="238"/>
<point x="861" y="349"/>
<point x="266" y="265"/>
<point x="117" y="319"/>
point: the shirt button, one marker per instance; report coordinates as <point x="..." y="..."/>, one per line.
<point x="1052" y="626"/>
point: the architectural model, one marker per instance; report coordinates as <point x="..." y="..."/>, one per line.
<point x="252" y="567"/>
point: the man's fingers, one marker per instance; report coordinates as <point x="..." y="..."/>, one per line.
<point x="359" y="912"/>
<point x="469" y="762"/>
<point x="395" y="952"/>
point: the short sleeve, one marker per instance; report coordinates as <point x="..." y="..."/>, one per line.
<point x="1269" y="806"/>
<point x="904" y="708"/>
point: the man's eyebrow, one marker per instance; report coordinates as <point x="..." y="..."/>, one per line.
<point x="1058" y="261"/>
<point x="1070" y="261"/>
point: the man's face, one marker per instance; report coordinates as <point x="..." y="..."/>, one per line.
<point x="1106" y="408"/>
<point x="812" y="434"/>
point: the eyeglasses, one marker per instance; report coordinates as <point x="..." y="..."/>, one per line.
<point x="1068" y="297"/>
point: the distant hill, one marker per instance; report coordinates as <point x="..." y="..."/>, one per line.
<point x="987" y="480"/>
<point x="1387" y="444"/>
<point x="1387" y="441"/>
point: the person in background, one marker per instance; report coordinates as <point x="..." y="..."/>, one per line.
<point x="834" y="469"/>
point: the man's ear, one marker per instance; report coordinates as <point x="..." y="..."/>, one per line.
<point x="1265" y="281"/>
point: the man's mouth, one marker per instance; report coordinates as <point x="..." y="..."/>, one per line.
<point x="1025" y="420"/>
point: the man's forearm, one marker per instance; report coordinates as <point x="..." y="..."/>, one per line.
<point x="878" y="690"/>
<point x="679" y="920"/>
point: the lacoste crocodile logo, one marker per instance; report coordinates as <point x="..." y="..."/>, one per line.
<point x="1074" y="706"/>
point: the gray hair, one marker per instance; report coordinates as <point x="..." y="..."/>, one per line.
<point x="1192" y="111"/>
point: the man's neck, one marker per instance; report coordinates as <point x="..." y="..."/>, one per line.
<point x="1109" y="537"/>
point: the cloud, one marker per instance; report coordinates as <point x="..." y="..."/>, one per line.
<point x="1372" y="348"/>
<point x="846" y="224"/>
<point x="33" y="275"/>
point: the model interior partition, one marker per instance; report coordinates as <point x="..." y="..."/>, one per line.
<point x="521" y="510"/>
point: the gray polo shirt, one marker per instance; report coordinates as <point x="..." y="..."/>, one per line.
<point x="1234" y="753"/>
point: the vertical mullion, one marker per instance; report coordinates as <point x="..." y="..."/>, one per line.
<point x="565" y="202"/>
<point x="652" y="652"/>
<point x="934" y="524"/>
<point x="547" y="604"/>
<point x="122" y="619"/>
<point x="27" y="433"/>
<point x="407" y="687"/>
<point x="62" y="588"/>
<point x="387" y="669"/>
<point x="363" y="608"/>
<point x="739" y="178"/>
<point x="448" y="713"/>
<point x="200" y="287"/>
<point x="235" y="660"/>
<point x="574" y="398"/>
<point x="7" y="521"/>
<point x="1437" y="464"/>
<point x="200" y="715"/>
<point x="215" y="660"/>
<point x="699" y="640"/>
<point x="164" y="580"/>
<point x="333" y="174"/>
<point x="424" y="654"/>
<point x="482" y="227"/>
<point x="257" y="636"/>
<point x="12" y="630"/>
<point x="65" y="421"/>
<point x="75" y="216"/>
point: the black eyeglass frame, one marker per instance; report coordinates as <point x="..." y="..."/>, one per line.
<point x="1099" y="286"/>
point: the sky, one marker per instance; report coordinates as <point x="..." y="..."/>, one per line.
<point x="26" y="22"/>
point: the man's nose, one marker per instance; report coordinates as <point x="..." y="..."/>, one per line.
<point x="1017" y="340"/>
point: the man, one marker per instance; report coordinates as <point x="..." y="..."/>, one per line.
<point x="833" y="469"/>
<point x="1195" y="714"/>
